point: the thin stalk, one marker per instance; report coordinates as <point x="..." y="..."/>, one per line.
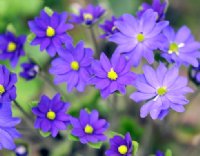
<point x="94" y="40"/>
<point x="53" y="86"/>
<point x="23" y="111"/>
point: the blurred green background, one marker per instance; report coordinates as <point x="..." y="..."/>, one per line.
<point x="179" y="132"/>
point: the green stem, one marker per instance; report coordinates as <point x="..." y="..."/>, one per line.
<point x="23" y="111"/>
<point x="94" y="40"/>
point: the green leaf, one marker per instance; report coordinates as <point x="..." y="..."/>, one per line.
<point x="44" y="134"/>
<point x="95" y="145"/>
<point x="48" y="10"/>
<point x="111" y="134"/>
<point x="168" y="152"/>
<point x="11" y="28"/>
<point x="73" y="138"/>
<point x="33" y="104"/>
<point x="135" y="147"/>
<point x="30" y="37"/>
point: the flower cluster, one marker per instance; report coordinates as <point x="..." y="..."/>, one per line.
<point x="136" y="37"/>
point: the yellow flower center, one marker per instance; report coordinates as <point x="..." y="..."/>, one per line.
<point x="50" y="32"/>
<point x="112" y="74"/>
<point x="11" y="47"/>
<point x="89" y="129"/>
<point x="122" y="149"/>
<point x="88" y="17"/>
<point x="173" y="48"/>
<point x="162" y="91"/>
<point x="114" y="28"/>
<point x="51" y="115"/>
<point x="2" y="89"/>
<point x="74" y="65"/>
<point x="140" y="37"/>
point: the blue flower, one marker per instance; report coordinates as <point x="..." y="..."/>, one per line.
<point x="12" y="47"/>
<point x="139" y="37"/>
<point x="8" y="131"/>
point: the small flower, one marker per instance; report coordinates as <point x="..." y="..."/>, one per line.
<point x="109" y="27"/>
<point x="180" y="47"/>
<point x="8" y="131"/>
<point x="157" y="6"/>
<point x="21" y="150"/>
<point x="194" y="73"/>
<point x="12" y="47"/>
<point x="88" y="15"/>
<point x="73" y="67"/>
<point x="111" y="76"/>
<point x="159" y="153"/>
<point x="120" y="146"/>
<point x="139" y="37"/>
<point x="163" y="88"/>
<point x="88" y="127"/>
<point x="7" y="85"/>
<point x="50" y="31"/>
<point x="51" y="115"/>
<point x="30" y="70"/>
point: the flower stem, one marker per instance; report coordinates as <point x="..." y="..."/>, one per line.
<point x="23" y="111"/>
<point x="94" y="40"/>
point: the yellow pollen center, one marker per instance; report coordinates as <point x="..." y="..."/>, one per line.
<point x="114" y="28"/>
<point x="112" y="74"/>
<point x="122" y="149"/>
<point x="11" y="47"/>
<point x="74" y="65"/>
<point x="173" y="48"/>
<point x="50" y="32"/>
<point x="51" y="115"/>
<point x="140" y="37"/>
<point x="89" y="129"/>
<point x="2" y="89"/>
<point x="162" y="91"/>
<point x="88" y="17"/>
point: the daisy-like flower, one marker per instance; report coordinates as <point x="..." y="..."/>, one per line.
<point x="73" y="66"/>
<point x="109" y="27"/>
<point x="180" y="47"/>
<point x="111" y="76"/>
<point x="157" y="6"/>
<point x="159" y="153"/>
<point x="7" y="85"/>
<point x="88" y="15"/>
<point x="88" y="127"/>
<point x="51" y="115"/>
<point x="163" y="89"/>
<point x="50" y="31"/>
<point x="12" y="47"/>
<point x="120" y="146"/>
<point x="8" y="131"/>
<point x="30" y="70"/>
<point x="139" y="37"/>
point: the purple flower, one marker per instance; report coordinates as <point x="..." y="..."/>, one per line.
<point x="138" y="38"/>
<point x="157" y="6"/>
<point x="88" y="127"/>
<point x="159" y="153"/>
<point x="194" y="74"/>
<point x="12" y="47"/>
<point x="109" y="27"/>
<point x="73" y="67"/>
<point x="7" y="85"/>
<point x="88" y="15"/>
<point x="8" y="131"/>
<point x="163" y="88"/>
<point x="180" y="47"/>
<point x="112" y="76"/>
<point x="30" y="70"/>
<point x="51" y="115"/>
<point x="21" y="150"/>
<point x="50" y="31"/>
<point x="120" y="146"/>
